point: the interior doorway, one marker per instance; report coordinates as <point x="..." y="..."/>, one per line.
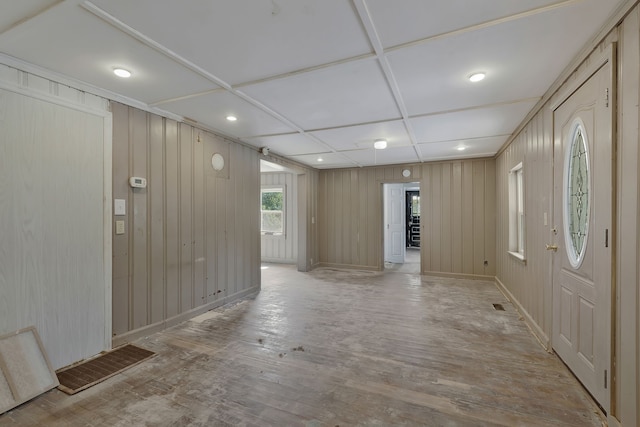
<point x="279" y="219"/>
<point x="402" y="227"/>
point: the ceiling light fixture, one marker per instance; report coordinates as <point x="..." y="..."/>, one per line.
<point x="476" y="77"/>
<point x="380" y="144"/>
<point x="232" y="118"/>
<point x="320" y="159"/>
<point x="461" y="148"/>
<point x="121" y="72"/>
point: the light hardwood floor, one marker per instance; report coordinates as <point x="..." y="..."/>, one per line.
<point x="335" y="348"/>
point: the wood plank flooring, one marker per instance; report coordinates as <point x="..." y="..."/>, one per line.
<point x="335" y="348"/>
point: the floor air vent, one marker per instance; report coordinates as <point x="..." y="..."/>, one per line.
<point x="498" y="307"/>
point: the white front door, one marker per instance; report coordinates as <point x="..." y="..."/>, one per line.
<point x="582" y="215"/>
<point x="394" y="223"/>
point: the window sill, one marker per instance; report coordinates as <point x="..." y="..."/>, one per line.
<point x="520" y="257"/>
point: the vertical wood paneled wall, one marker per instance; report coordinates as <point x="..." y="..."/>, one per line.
<point x="457" y="202"/>
<point x="283" y="248"/>
<point x="192" y="237"/>
<point x="308" y="204"/>
<point x="55" y="209"/>
<point x="530" y="284"/>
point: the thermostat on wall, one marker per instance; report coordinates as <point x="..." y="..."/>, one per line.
<point x="137" y="182"/>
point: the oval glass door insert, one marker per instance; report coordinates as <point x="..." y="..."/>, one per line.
<point x="577" y="195"/>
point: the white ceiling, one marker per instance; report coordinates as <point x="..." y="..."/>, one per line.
<point x="319" y="79"/>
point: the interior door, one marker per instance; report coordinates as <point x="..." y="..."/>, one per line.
<point x="394" y="233"/>
<point x="582" y="279"/>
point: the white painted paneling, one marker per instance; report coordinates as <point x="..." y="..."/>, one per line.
<point x="348" y="93"/>
<point x="93" y="48"/>
<point x="15" y="14"/>
<point x="55" y="251"/>
<point x="373" y="157"/>
<point x="289" y="145"/>
<point x="213" y="109"/>
<point x="363" y="136"/>
<point x="223" y="35"/>
<point x="419" y="21"/>
<point x="484" y="122"/>
<point x="283" y="248"/>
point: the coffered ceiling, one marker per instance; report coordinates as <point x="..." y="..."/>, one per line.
<point x="318" y="81"/>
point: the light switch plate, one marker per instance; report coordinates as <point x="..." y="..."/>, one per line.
<point x="120" y="227"/>
<point x="119" y="207"/>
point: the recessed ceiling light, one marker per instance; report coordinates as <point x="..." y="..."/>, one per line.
<point x="461" y="148"/>
<point x="380" y="144"/>
<point x="232" y="118"/>
<point x="320" y="159"/>
<point x="121" y="72"/>
<point x="476" y="77"/>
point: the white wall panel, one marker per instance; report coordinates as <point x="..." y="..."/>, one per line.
<point x="55" y="191"/>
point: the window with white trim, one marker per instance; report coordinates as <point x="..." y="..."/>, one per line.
<point x="272" y="210"/>
<point x="516" y="212"/>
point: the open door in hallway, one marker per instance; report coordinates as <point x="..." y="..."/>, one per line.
<point x="394" y="223"/>
<point x="582" y="280"/>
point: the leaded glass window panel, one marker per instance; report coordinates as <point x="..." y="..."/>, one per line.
<point x="577" y="196"/>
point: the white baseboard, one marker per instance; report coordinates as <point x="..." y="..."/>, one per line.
<point x="533" y="326"/>
<point x="164" y="324"/>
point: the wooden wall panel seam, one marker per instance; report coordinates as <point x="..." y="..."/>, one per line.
<point x="179" y="218"/>
<point x="130" y="222"/>
<point x="149" y="212"/>
<point x="165" y="241"/>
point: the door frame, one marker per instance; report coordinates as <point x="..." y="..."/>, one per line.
<point x="409" y="180"/>
<point x="596" y="62"/>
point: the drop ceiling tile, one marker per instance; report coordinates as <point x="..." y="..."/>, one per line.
<point x="212" y="110"/>
<point x="479" y="147"/>
<point x="245" y="40"/>
<point x="288" y="145"/>
<point x="92" y="49"/>
<point x="344" y="94"/>
<point x="391" y="155"/>
<point x="476" y="123"/>
<point x="521" y="58"/>
<point x="21" y="11"/>
<point x="417" y="19"/>
<point x="329" y="161"/>
<point x="363" y="136"/>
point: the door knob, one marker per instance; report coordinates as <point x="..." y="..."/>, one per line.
<point x="553" y="248"/>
